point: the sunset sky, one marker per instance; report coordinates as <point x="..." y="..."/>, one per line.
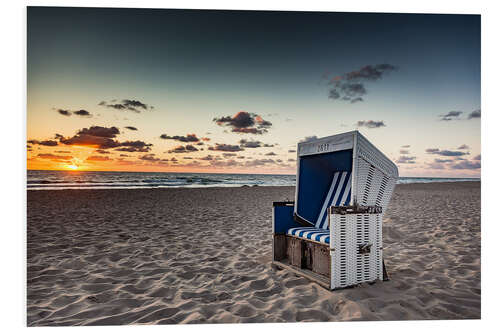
<point x="234" y="91"/>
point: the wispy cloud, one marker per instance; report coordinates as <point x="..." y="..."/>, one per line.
<point x="371" y="123"/>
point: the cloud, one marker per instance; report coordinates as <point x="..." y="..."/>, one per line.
<point x="406" y="160"/>
<point x="474" y="114"/>
<point x="309" y="138"/>
<point x="405" y="146"/>
<point x="404" y="151"/>
<point x="82" y="113"/>
<point x="452" y="115"/>
<point x="291" y="160"/>
<point x="259" y="162"/>
<point x="271" y="154"/>
<point x="477" y="157"/>
<point x="55" y="157"/>
<point x="253" y="144"/>
<point x="97" y="158"/>
<point x="104" y="138"/>
<point x="292" y="151"/>
<point x="127" y="104"/>
<point x="225" y="147"/>
<point x="351" y="86"/>
<point x="207" y="158"/>
<point x="132" y="128"/>
<point x="183" y="149"/>
<point x="466" y="165"/>
<point x="49" y="143"/>
<point x="370" y="123"/>
<point x="445" y="152"/>
<point x="99" y="131"/>
<point x="227" y="155"/>
<point x="149" y="157"/>
<point x="464" y="146"/>
<point x="102" y="151"/>
<point x="66" y="113"/>
<point x="187" y="138"/>
<point x="94" y="136"/>
<point x="244" y="122"/>
<point x="438" y="160"/>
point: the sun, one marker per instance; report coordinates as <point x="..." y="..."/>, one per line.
<point x="72" y="167"/>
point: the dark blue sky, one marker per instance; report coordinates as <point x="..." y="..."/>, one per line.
<point x="211" y="63"/>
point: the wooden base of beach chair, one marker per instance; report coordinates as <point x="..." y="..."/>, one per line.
<point x="306" y="258"/>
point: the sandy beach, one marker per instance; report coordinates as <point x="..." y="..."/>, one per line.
<point x="169" y="256"/>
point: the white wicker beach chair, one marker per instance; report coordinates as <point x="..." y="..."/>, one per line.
<point x="332" y="232"/>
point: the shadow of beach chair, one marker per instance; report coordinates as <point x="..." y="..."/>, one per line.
<point x="332" y="232"/>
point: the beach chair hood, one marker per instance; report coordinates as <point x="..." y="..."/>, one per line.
<point x="339" y="170"/>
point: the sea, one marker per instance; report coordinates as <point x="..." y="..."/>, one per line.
<point x="59" y="180"/>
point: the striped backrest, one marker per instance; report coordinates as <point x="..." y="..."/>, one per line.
<point x="339" y="194"/>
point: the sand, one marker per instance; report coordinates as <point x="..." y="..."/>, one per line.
<point x="168" y="256"/>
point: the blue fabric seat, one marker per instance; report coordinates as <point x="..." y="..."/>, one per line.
<point x="311" y="233"/>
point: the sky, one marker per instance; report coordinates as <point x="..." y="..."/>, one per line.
<point x="235" y="91"/>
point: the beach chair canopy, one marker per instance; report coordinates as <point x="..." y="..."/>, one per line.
<point x="339" y="170"/>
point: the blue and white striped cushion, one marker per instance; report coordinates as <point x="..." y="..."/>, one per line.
<point x="315" y="234"/>
<point x="339" y="194"/>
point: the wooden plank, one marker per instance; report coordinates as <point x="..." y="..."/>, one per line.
<point x="294" y="251"/>
<point x="321" y="261"/>
<point x="279" y="243"/>
<point x="317" y="278"/>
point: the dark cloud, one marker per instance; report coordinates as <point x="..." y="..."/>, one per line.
<point x="127" y="104"/>
<point x="149" y="157"/>
<point x="253" y="144"/>
<point x="187" y="138"/>
<point x="477" y="157"/>
<point x="291" y="160"/>
<point x="97" y="158"/>
<point x="104" y="132"/>
<point x="351" y="86"/>
<point x="66" y="113"/>
<point x="474" y="114"/>
<point x="244" y="122"/>
<point x="83" y="113"/>
<point x="370" y="123"/>
<point x="309" y="138"/>
<point x="466" y="165"/>
<point x="405" y="146"/>
<point x="132" y="128"/>
<point x="292" y="151"/>
<point x="271" y="154"/>
<point x="227" y="155"/>
<point x="62" y="152"/>
<point x="49" y="143"/>
<point x="124" y="155"/>
<point x="58" y="136"/>
<point x="452" y="115"/>
<point x="94" y="136"/>
<point x="225" y="147"/>
<point x="183" y="149"/>
<point x="404" y="151"/>
<point x="445" y="152"/>
<point x="406" y="160"/>
<point x="102" y="151"/>
<point x="438" y="160"/>
<point x="207" y="158"/>
<point x="464" y="146"/>
<point x="55" y="157"/>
